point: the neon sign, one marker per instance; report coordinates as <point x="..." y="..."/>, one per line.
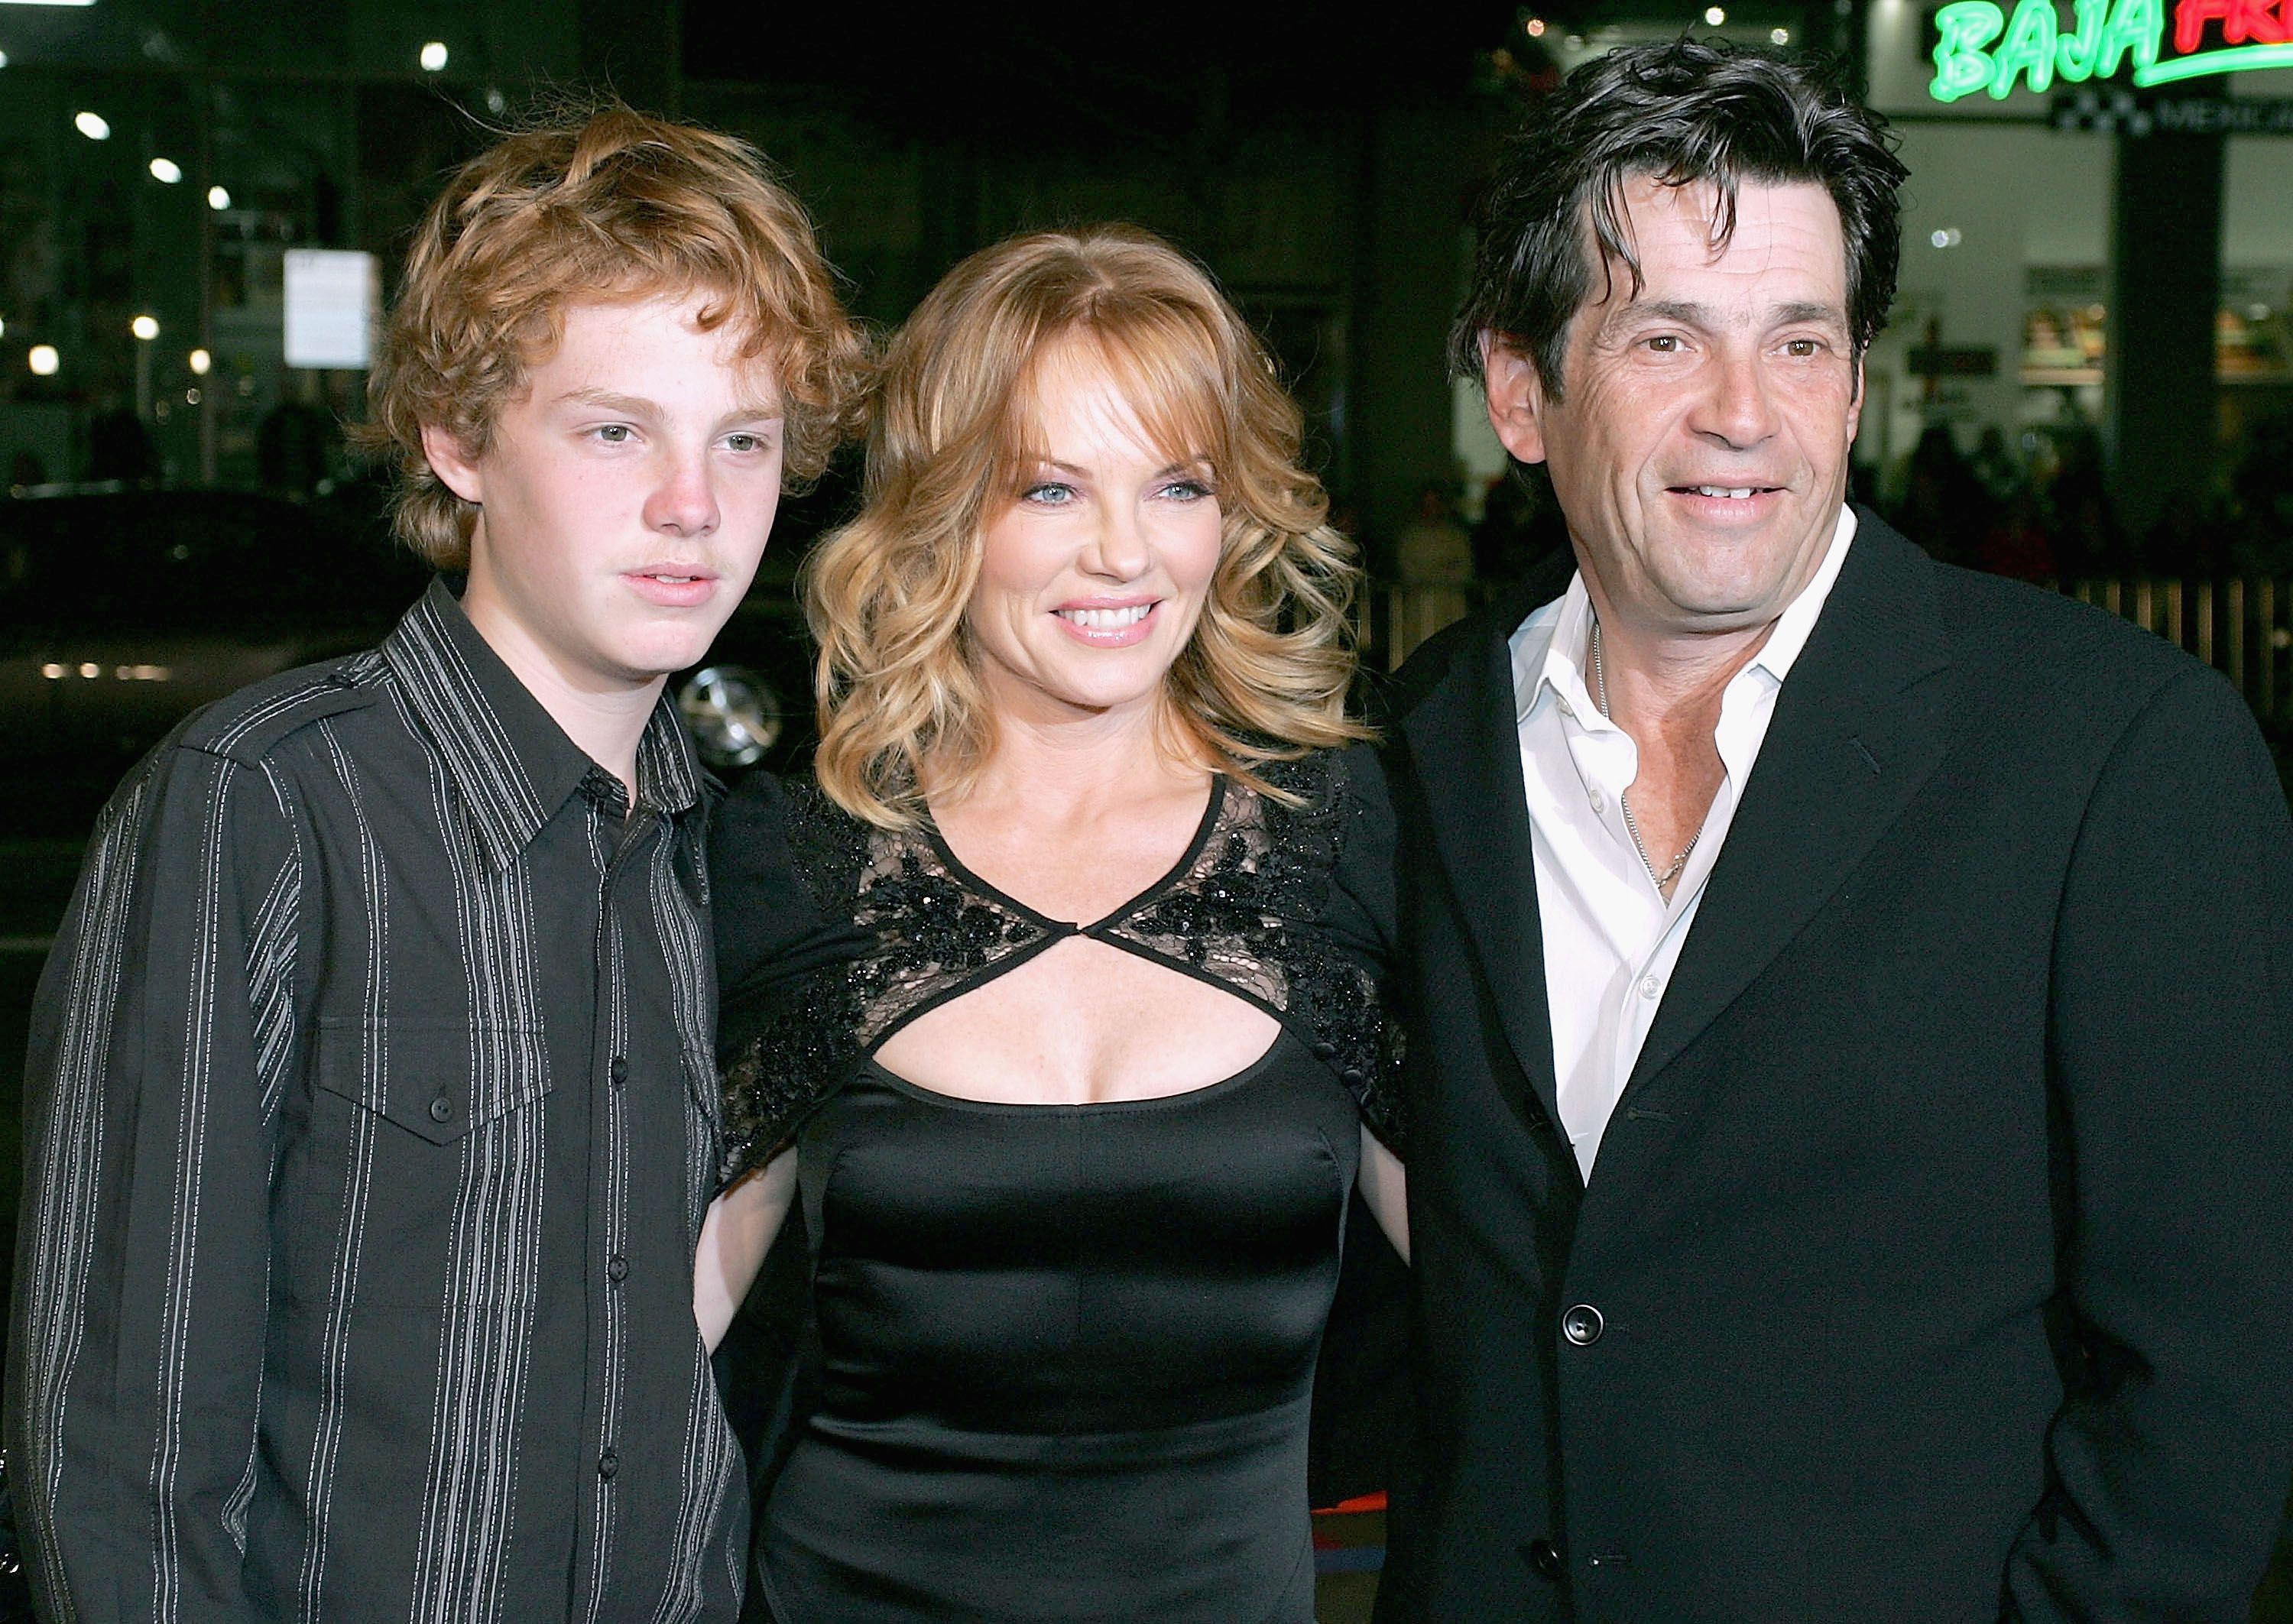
<point x="1980" y="47"/>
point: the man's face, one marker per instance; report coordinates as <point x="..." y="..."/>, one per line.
<point x="624" y="499"/>
<point x="1699" y="450"/>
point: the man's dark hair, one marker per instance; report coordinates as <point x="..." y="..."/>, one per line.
<point x="1683" y="112"/>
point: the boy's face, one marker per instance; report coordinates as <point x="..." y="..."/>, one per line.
<point x="624" y="499"/>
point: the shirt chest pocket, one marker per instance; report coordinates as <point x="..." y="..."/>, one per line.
<point x="439" y="1081"/>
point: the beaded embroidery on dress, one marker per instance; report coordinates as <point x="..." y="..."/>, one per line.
<point x="1240" y="911"/>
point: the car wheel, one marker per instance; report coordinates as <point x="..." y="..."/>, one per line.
<point x="735" y="716"/>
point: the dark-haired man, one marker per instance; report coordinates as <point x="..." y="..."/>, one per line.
<point x="1854" y="1151"/>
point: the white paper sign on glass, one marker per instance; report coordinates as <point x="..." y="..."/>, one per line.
<point x="334" y="306"/>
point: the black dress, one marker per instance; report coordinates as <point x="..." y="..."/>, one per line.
<point x="1066" y="1352"/>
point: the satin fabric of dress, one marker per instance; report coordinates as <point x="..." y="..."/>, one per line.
<point x="1067" y="1353"/>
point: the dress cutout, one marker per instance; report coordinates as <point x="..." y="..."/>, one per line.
<point x="903" y="927"/>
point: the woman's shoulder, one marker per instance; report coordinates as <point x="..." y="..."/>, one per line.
<point x="1327" y="775"/>
<point x="785" y="863"/>
<point x="1328" y="806"/>
<point x="771" y="829"/>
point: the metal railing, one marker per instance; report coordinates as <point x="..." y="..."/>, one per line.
<point x="2243" y="627"/>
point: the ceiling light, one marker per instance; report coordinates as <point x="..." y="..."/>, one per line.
<point x="218" y="199"/>
<point x="201" y="362"/>
<point x="166" y="171"/>
<point x="144" y="327"/>
<point x="44" y="360"/>
<point x="93" y="126"/>
<point x="433" y="56"/>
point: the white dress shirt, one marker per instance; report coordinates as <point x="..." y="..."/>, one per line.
<point x="1611" y="938"/>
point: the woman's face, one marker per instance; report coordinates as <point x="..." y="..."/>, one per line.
<point x="1093" y="573"/>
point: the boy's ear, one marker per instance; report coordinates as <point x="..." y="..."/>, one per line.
<point x="451" y="465"/>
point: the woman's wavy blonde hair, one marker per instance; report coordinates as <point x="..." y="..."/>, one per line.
<point x="955" y="438"/>
<point x="605" y="205"/>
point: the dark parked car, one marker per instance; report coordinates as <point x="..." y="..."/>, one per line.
<point x="122" y="610"/>
<point x="750" y="703"/>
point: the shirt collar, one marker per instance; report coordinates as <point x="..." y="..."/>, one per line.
<point x="1796" y="624"/>
<point x="513" y="764"/>
<point x="1548" y="646"/>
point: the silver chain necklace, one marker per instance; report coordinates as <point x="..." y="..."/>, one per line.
<point x="1671" y="871"/>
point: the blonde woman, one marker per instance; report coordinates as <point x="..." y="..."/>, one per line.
<point x="1052" y="995"/>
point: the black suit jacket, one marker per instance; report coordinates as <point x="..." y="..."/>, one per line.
<point x="1941" y="1245"/>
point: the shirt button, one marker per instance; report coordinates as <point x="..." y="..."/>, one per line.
<point x="1650" y="986"/>
<point x="1599" y="802"/>
<point x="621" y="1069"/>
<point x="1545" y="1558"/>
<point x="616" y="1268"/>
<point x="1568" y="710"/>
<point x="609" y="1465"/>
<point x="442" y="1109"/>
<point x="1582" y="1325"/>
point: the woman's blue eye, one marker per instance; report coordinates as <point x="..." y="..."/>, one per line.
<point x="1188" y="491"/>
<point x="1049" y="494"/>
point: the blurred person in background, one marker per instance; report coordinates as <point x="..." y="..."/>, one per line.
<point x="1849" y="997"/>
<point x="368" y="1117"/>
<point x="1433" y="558"/>
<point x="1051" y="997"/>
<point x="1945" y="503"/>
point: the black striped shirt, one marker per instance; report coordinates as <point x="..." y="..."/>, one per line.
<point x="369" y="1124"/>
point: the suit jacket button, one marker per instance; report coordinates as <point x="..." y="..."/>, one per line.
<point x="1545" y="1558"/>
<point x="1582" y="1325"/>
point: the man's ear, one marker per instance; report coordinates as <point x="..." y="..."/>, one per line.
<point x="1855" y="401"/>
<point x="451" y="464"/>
<point x="1516" y="397"/>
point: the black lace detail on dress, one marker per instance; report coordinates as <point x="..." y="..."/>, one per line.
<point x="923" y="932"/>
<point x="828" y="844"/>
<point x="1247" y="913"/>
<point x="1244" y="912"/>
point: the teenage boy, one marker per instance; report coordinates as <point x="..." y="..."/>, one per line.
<point x="369" y="1114"/>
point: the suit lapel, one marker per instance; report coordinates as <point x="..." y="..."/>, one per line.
<point x="1466" y="752"/>
<point x="1856" y="730"/>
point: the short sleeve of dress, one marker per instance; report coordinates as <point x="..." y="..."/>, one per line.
<point x="1360" y="915"/>
<point x="1338" y="839"/>
<point x="756" y="909"/>
<point x="780" y="859"/>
